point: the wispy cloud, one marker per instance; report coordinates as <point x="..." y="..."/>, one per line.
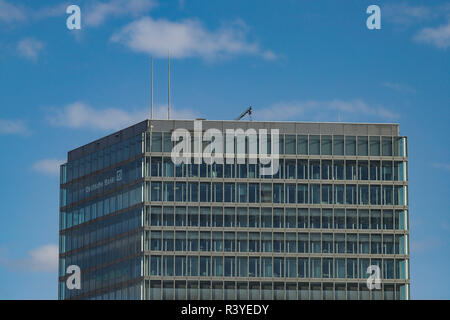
<point x="406" y="14"/>
<point x="10" y="13"/>
<point x="188" y="38"/>
<point x="80" y="115"/>
<point x="98" y="12"/>
<point x="41" y="259"/>
<point x="13" y="127"/>
<point x="30" y="48"/>
<point x="48" y="166"/>
<point x="398" y="87"/>
<point x="443" y="166"/>
<point x="13" y="13"/>
<point x="438" y="36"/>
<point x="332" y="110"/>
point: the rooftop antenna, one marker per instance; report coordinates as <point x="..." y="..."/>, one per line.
<point x="248" y="111"/>
<point x="168" y="92"/>
<point x="151" y="108"/>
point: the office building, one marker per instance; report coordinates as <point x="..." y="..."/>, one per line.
<point x="142" y="227"/>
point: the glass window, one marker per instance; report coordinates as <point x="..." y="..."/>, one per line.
<point x="303" y="268"/>
<point x="350" y="194"/>
<point x="327" y="219"/>
<point x="350" y="145"/>
<point x="266" y="193"/>
<point x="253" y="218"/>
<point x="327" y="194"/>
<point x="316" y="268"/>
<point x="193" y="191"/>
<point x="302" y="244"/>
<point x="375" y="244"/>
<point x="375" y="219"/>
<point x="374" y="146"/>
<point x="278" y="193"/>
<point x="339" y="243"/>
<point x="290" y="144"/>
<point x="230" y="192"/>
<point x="302" y="144"/>
<point x="192" y="216"/>
<point x="363" y="170"/>
<point x="326" y="145"/>
<point x="180" y="192"/>
<point x="363" y="193"/>
<point x="339" y="219"/>
<point x="180" y="216"/>
<point x="387" y="195"/>
<point x="351" y="218"/>
<point x="242" y="243"/>
<point x="156" y="145"/>
<point x="303" y="218"/>
<point x="156" y="191"/>
<point x="327" y="243"/>
<point x="314" y="169"/>
<point x="290" y="193"/>
<point x="242" y="192"/>
<point x="314" y="145"/>
<point x="192" y="242"/>
<point x="205" y="217"/>
<point x="364" y="245"/>
<point x="338" y="169"/>
<point x="205" y="192"/>
<point x="266" y="217"/>
<point x="315" y="218"/>
<point x="363" y="218"/>
<point x="315" y="194"/>
<point x="168" y="191"/>
<point x="338" y="145"/>
<point x="302" y="169"/>
<point x="291" y="218"/>
<point x="217" y="217"/>
<point x="230" y="217"/>
<point x="217" y="192"/>
<point x="253" y="192"/>
<point x="387" y="146"/>
<point x="278" y="218"/>
<point x="363" y="147"/>
<point x="350" y="170"/>
<point x="327" y="170"/>
<point x="289" y="169"/>
<point x="387" y="170"/>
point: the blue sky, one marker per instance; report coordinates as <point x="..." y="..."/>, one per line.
<point x="290" y="60"/>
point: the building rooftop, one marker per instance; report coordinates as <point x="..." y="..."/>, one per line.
<point x="284" y="127"/>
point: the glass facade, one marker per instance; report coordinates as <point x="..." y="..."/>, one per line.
<point x="141" y="227"/>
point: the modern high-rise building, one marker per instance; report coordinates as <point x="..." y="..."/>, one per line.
<point x="140" y="226"/>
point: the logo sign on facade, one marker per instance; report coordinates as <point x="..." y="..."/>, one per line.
<point x="105" y="182"/>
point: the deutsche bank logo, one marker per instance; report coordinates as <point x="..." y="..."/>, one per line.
<point x="119" y="175"/>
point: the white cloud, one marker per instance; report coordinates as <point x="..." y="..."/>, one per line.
<point x="406" y="14"/>
<point x="439" y="36"/>
<point x="10" y="13"/>
<point x="29" y="48"/>
<point x="398" y="87"/>
<point x="13" y="127"/>
<point x="332" y="110"/>
<point x="80" y="115"/>
<point x="444" y="166"/>
<point x="48" y="166"/>
<point x="98" y="12"/>
<point x="41" y="259"/>
<point x="188" y="38"/>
